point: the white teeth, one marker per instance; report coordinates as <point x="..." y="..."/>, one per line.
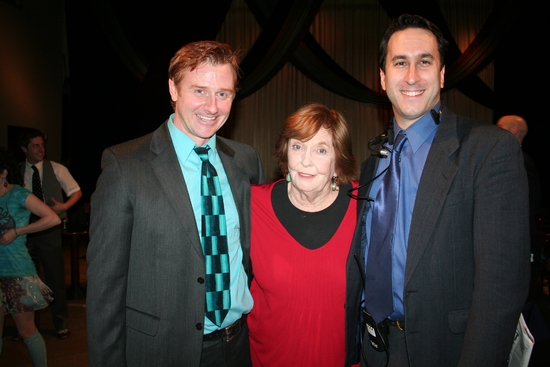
<point x="206" y="118"/>
<point x="412" y="93"/>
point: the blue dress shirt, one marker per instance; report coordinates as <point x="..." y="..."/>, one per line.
<point x="415" y="150"/>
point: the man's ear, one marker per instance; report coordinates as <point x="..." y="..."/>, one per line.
<point x="382" y="79"/>
<point x="173" y="89"/>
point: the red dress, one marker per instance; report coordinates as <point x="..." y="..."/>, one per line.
<point x="299" y="294"/>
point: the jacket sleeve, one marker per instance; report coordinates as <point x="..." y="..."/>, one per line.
<point x="108" y="256"/>
<point x="501" y="254"/>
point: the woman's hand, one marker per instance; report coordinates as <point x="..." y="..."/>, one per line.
<point x="9" y="236"/>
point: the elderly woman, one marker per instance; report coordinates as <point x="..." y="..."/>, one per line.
<point x="21" y="290"/>
<point x="302" y="228"/>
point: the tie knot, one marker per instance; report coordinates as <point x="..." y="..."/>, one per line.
<point x="399" y="141"/>
<point x="202" y="152"/>
<point x="34" y="168"/>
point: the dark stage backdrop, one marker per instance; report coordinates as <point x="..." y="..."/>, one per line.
<point x="105" y="103"/>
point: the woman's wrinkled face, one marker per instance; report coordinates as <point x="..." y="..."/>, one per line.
<point x="311" y="163"/>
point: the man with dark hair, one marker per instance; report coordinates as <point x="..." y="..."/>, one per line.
<point x="442" y="240"/>
<point x="169" y="251"/>
<point x="49" y="181"/>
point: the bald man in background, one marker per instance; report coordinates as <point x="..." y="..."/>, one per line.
<point x="514" y="124"/>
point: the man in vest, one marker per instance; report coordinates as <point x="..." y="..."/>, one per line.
<point x="45" y="247"/>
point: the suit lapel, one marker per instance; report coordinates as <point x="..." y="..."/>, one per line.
<point x="235" y="174"/>
<point x="439" y="172"/>
<point x="166" y="167"/>
<point x="368" y="170"/>
<point x="239" y="181"/>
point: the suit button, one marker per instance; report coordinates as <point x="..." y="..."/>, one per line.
<point x="199" y="326"/>
<point x="200" y="280"/>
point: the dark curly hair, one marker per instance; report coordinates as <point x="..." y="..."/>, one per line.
<point x="9" y="163"/>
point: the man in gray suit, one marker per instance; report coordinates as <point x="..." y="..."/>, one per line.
<point x="459" y="257"/>
<point x="147" y="276"/>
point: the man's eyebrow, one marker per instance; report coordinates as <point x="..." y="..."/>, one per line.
<point x="226" y="90"/>
<point x="420" y="56"/>
<point x="399" y="57"/>
<point x="427" y="55"/>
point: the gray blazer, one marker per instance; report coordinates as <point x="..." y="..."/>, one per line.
<point x="467" y="267"/>
<point x="145" y="301"/>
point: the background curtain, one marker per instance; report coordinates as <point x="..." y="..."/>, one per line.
<point x="349" y="32"/>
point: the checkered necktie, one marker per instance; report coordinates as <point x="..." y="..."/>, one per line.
<point x="36" y="185"/>
<point x="214" y="241"/>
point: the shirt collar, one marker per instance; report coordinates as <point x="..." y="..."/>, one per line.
<point x="418" y="132"/>
<point x="38" y="165"/>
<point x="183" y="143"/>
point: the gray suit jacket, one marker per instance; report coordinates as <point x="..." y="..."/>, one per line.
<point x="145" y="298"/>
<point x="467" y="267"/>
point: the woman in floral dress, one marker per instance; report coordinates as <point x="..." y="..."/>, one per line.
<point x="21" y="290"/>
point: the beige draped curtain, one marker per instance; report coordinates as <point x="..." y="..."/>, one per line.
<point x="349" y="31"/>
